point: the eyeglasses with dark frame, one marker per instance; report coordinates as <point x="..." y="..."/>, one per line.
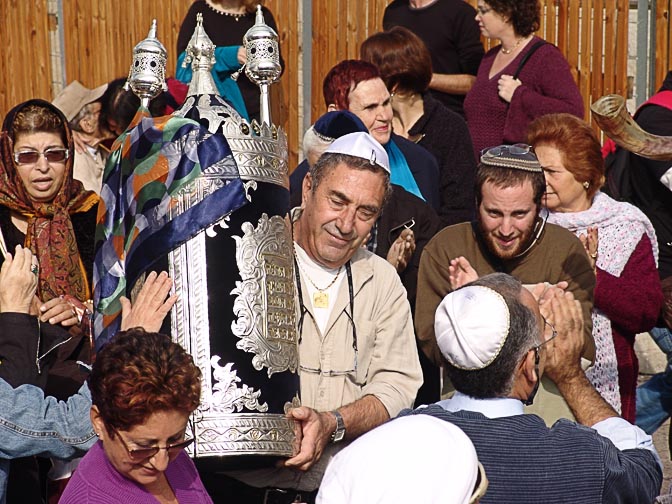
<point x="53" y="155"/>
<point x="140" y="454"/>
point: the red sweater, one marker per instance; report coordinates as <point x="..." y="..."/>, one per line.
<point x="547" y="87"/>
<point x="630" y="314"/>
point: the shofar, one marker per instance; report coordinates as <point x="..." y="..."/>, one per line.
<point x="613" y="117"/>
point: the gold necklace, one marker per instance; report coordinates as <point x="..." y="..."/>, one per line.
<point x="320" y="298"/>
<point x="509" y="51"/>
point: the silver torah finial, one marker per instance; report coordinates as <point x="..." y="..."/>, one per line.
<point x="263" y="61"/>
<point x="147" y="75"/>
<point x="201" y="54"/>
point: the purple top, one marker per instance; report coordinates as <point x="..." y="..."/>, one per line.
<point x="547" y="87"/>
<point x="97" y="481"/>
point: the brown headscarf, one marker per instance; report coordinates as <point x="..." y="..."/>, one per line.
<point x="50" y="235"/>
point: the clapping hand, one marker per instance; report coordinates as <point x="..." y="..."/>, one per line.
<point x="461" y="272"/>
<point x="18" y="281"/>
<point x="401" y="250"/>
<point x="590" y="242"/>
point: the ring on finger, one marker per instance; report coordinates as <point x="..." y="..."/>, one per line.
<point x="34" y="268"/>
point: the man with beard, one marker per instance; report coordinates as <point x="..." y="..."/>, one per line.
<point x="510" y="235"/>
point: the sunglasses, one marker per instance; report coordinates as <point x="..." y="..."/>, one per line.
<point x="519" y="149"/>
<point x="26" y="157"/>
<point x="140" y="454"/>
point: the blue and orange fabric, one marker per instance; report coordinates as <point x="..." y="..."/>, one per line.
<point x="139" y="220"/>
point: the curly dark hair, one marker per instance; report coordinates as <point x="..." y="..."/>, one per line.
<point x="139" y="373"/>
<point x="524" y="15"/>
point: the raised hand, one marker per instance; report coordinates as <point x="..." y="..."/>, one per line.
<point x="18" y="281"/>
<point x="151" y="305"/>
<point x="461" y="272"/>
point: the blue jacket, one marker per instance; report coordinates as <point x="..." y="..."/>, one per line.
<point x="31" y="424"/>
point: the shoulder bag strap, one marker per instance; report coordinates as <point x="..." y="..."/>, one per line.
<point x="532" y="50"/>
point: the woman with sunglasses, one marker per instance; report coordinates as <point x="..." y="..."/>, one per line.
<point x="143" y="389"/>
<point x="621" y="246"/>
<point x="518" y="80"/>
<point x="43" y="209"/>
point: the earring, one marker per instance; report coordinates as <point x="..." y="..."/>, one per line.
<point x="586" y="184"/>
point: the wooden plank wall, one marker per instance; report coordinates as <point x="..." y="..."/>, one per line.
<point x="99" y="36"/>
<point x="25" y="70"/>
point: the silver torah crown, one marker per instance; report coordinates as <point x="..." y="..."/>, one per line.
<point x="147" y="75"/>
<point x="260" y="150"/>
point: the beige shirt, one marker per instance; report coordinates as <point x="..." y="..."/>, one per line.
<point x="387" y="364"/>
<point x="387" y="358"/>
<point x="88" y="168"/>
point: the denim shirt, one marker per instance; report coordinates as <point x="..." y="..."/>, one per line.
<point x="31" y="424"/>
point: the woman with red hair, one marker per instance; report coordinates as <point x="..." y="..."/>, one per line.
<point x="143" y="389"/>
<point x="621" y="246"/>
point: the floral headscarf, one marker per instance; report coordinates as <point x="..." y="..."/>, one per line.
<point x="50" y="235"/>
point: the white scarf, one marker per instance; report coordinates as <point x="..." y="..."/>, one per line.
<point x="620" y="227"/>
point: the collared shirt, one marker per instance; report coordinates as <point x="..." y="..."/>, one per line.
<point x="385" y="364"/>
<point x="622" y="433"/>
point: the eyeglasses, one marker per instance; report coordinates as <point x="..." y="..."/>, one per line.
<point x="554" y="333"/>
<point x="320" y="371"/>
<point x="56" y="155"/>
<point x="140" y="454"/>
<point x="519" y="149"/>
<point x="481" y="485"/>
<point x="483" y="10"/>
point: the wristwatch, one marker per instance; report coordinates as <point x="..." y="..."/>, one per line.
<point x="338" y="434"/>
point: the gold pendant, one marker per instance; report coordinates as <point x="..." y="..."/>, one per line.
<point x="320" y="299"/>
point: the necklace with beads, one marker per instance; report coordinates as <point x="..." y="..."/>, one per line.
<point x="321" y="297"/>
<point x="509" y="51"/>
<point x="220" y="10"/>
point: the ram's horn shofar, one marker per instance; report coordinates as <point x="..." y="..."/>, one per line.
<point x="613" y="117"/>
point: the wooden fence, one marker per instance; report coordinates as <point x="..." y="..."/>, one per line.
<point x="98" y="38"/>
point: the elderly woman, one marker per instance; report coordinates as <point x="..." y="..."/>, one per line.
<point x="45" y="210"/>
<point x="620" y="243"/>
<point x="518" y="80"/>
<point x="143" y="389"/>
<point x="405" y="66"/>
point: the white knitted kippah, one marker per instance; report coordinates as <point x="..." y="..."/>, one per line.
<point x="471" y="325"/>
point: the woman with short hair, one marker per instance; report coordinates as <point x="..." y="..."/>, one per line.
<point x="621" y="246"/>
<point x="143" y="388"/>
<point x="405" y="66"/>
<point x="519" y="80"/>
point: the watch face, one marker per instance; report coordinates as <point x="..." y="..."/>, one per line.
<point x="339" y="435"/>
